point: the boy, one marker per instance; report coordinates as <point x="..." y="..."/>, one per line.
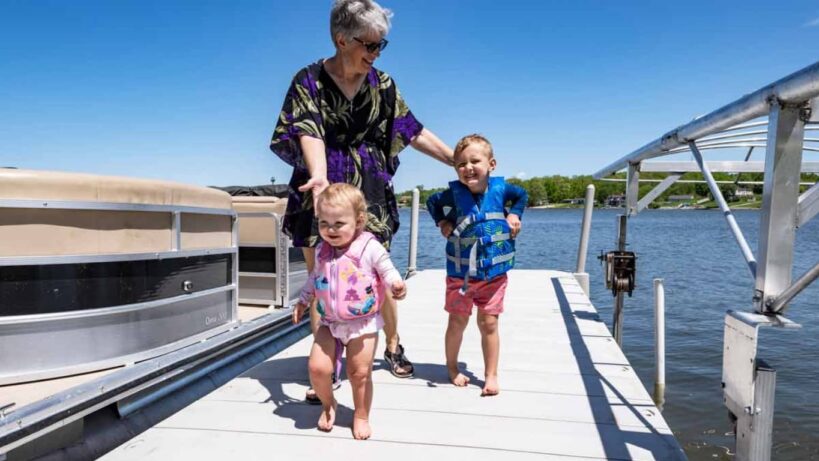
<point x="480" y="250"/>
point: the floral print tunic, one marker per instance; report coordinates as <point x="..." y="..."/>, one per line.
<point x="362" y="137"/>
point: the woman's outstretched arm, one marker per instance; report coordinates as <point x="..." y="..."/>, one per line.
<point x="428" y="143"/>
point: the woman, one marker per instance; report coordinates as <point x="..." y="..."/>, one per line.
<point x="345" y="121"/>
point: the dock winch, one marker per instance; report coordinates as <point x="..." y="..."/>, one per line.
<point x="619" y="269"/>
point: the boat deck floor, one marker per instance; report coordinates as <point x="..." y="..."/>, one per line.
<point x="567" y="391"/>
<point x="24" y="393"/>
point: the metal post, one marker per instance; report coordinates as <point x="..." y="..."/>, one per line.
<point x="617" y="321"/>
<point x="584" y="233"/>
<point x="729" y="216"/>
<point x="659" y="343"/>
<point x="748" y="383"/>
<point x="754" y="431"/>
<point x="622" y="222"/>
<point x="783" y="162"/>
<point x="176" y="231"/>
<point x="632" y="188"/>
<point x="234" y="257"/>
<point x="413" y="243"/>
<point x="580" y="274"/>
<point x="282" y="282"/>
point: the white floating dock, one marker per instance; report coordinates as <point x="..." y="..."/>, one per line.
<point x="567" y="391"/>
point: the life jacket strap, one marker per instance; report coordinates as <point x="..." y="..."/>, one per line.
<point x="467" y="241"/>
<point x="483" y="262"/>
<point x="474" y="265"/>
<point x="465" y="221"/>
<point x="502" y="258"/>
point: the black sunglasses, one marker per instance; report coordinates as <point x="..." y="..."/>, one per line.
<point x="372" y="47"/>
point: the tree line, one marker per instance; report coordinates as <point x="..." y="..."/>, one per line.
<point x="546" y="190"/>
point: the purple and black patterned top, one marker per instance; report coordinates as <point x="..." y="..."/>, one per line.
<point x="362" y="136"/>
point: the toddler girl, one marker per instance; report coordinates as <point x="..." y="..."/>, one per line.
<point x="351" y="272"/>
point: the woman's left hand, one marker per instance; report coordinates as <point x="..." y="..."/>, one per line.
<point x="316" y="184"/>
<point x="316" y="161"/>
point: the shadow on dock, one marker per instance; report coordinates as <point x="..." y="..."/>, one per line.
<point x="596" y="384"/>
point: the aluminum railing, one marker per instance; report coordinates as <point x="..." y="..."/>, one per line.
<point x="792" y="108"/>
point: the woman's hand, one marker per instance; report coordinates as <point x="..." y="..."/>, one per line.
<point x="316" y="184"/>
<point x="399" y="290"/>
<point x="446" y="227"/>
<point x="298" y="312"/>
<point x="316" y="161"/>
<point x="514" y="225"/>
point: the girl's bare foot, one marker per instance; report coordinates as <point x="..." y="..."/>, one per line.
<point x="327" y="417"/>
<point x="490" y="387"/>
<point x="361" y="429"/>
<point x="457" y="378"/>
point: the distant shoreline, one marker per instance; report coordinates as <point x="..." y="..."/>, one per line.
<point x="741" y="206"/>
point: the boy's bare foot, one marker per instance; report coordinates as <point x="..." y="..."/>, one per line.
<point x="328" y="417"/>
<point x="457" y="378"/>
<point x="490" y="387"/>
<point x="361" y="429"/>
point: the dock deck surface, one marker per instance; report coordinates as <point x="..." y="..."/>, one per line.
<point x="567" y="391"/>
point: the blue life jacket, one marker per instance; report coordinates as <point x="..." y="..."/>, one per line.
<point x="480" y="247"/>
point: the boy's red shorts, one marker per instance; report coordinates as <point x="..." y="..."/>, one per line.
<point x="487" y="295"/>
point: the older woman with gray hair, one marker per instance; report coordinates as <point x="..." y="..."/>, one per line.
<point x="343" y="120"/>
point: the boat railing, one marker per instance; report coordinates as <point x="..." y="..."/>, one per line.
<point x="155" y="380"/>
<point x="100" y="284"/>
<point x="791" y="108"/>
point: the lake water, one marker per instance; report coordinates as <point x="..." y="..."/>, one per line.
<point x="705" y="275"/>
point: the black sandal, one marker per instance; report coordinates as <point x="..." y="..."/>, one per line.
<point x="399" y="364"/>
<point x="310" y="396"/>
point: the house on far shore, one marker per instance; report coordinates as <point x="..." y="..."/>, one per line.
<point x="743" y="193"/>
<point x="574" y="201"/>
<point x="616" y="201"/>
<point x="681" y="198"/>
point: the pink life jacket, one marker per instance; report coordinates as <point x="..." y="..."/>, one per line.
<point x="347" y="288"/>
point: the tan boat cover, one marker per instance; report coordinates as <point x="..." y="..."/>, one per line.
<point x="52" y="232"/>
<point x="261" y="231"/>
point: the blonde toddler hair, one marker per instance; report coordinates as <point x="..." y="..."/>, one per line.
<point x="344" y="195"/>
<point x="470" y="139"/>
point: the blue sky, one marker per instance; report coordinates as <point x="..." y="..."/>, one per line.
<point x="190" y="90"/>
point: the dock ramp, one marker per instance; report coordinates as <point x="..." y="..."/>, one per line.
<point x="567" y="392"/>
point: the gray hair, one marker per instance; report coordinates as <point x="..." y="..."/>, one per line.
<point x="352" y="18"/>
